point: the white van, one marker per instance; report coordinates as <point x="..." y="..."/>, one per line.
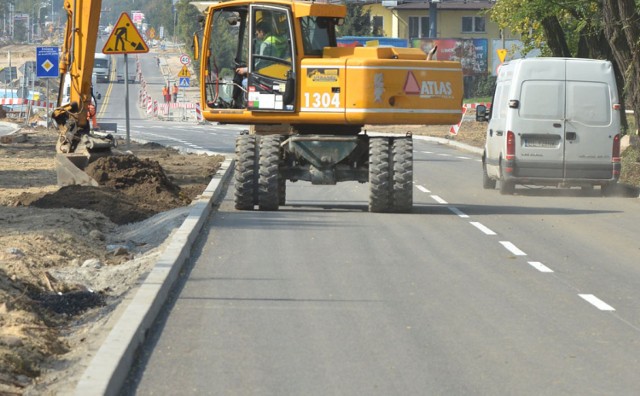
<point x="553" y="121"/>
<point x="102" y="67"/>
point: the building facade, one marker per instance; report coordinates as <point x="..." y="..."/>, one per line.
<point x="461" y="29"/>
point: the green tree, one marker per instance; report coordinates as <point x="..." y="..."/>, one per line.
<point x="357" y="21"/>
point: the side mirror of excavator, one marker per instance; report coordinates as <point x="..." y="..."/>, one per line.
<point x="196" y="46"/>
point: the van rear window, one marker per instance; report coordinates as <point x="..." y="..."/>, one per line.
<point x="588" y="103"/>
<point x="542" y="100"/>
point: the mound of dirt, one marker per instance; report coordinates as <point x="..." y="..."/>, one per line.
<point x="69" y="255"/>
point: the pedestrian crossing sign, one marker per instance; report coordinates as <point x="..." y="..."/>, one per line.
<point x="183" y="82"/>
<point x="125" y="38"/>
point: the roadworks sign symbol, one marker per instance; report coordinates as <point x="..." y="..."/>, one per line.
<point x="125" y="38"/>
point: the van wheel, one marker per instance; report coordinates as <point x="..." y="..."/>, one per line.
<point x="487" y="182"/>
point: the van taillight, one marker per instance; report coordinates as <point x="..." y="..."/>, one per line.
<point x="511" y="145"/>
<point x="615" y="154"/>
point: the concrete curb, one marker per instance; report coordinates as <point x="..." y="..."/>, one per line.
<point x="449" y="142"/>
<point x="110" y="366"/>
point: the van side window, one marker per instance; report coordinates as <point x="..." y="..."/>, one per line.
<point x="588" y="103"/>
<point x="501" y="101"/>
<point x="542" y="100"/>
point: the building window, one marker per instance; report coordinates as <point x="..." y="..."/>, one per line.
<point x="377" y="23"/>
<point x="473" y="24"/>
<point x="418" y="27"/>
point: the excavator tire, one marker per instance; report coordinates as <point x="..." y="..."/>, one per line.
<point x="402" y="162"/>
<point x="268" y="182"/>
<point x="379" y="175"/>
<point x="246" y="173"/>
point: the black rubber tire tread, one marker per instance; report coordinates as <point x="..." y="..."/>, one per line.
<point x="245" y="172"/>
<point x="487" y="182"/>
<point x="402" y="161"/>
<point x="268" y="182"/>
<point x="379" y="175"/>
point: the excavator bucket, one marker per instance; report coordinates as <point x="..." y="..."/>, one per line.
<point x="70" y="170"/>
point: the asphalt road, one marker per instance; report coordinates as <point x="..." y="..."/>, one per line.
<point x="472" y="293"/>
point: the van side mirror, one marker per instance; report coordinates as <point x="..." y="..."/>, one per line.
<point x="482" y="114"/>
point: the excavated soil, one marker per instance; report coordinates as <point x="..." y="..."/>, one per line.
<point x="68" y="255"/>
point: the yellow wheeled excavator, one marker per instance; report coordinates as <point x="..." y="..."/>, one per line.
<point x="276" y="65"/>
<point x="77" y="144"/>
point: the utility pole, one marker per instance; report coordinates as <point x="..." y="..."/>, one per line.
<point x="433" y="18"/>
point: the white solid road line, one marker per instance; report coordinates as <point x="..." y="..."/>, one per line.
<point x="596" y="302"/>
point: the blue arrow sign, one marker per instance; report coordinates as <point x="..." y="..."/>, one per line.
<point x="47" y="60"/>
<point x="183" y="82"/>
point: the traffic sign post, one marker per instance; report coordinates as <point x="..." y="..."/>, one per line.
<point x="47" y="66"/>
<point x="125" y="39"/>
<point x="47" y="62"/>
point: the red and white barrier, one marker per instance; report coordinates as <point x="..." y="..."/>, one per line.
<point x="19" y="101"/>
<point x="455" y="128"/>
<point x="199" y="117"/>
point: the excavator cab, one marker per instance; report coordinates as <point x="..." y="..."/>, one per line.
<point x="255" y="57"/>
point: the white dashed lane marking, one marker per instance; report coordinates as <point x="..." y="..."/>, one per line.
<point x="482" y="228"/>
<point x="423" y="189"/>
<point x="439" y="200"/>
<point x="539" y="266"/>
<point x="458" y="212"/>
<point x="596" y="302"/>
<point x="512" y="248"/>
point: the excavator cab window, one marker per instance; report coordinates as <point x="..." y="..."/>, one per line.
<point x="317" y="33"/>
<point x="250" y="59"/>
<point x="271" y="78"/>
<point x="226" y="52"/>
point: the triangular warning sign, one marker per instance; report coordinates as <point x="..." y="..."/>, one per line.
<point x="184" y="72"/>
<point x="125" y="38"/>
<point x="411" y="86"/>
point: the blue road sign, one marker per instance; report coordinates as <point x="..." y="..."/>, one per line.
<point x="47" y="62"/>
<point x="183" y="82"/>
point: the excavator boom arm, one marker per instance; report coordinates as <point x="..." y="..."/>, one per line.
<point x="76" y="67"/>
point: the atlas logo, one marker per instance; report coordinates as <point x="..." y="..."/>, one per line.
<point x="427" y="89"/>
<point x="432" y="89"/>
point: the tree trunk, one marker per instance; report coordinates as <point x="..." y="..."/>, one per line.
<point x="556" y="39"/>
<point x="623" y="33"/>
